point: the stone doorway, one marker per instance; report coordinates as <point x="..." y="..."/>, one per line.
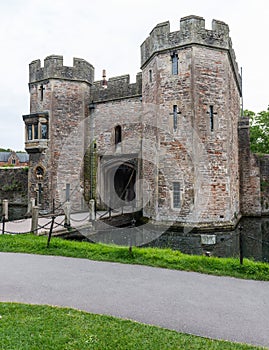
<point x="118" y="186"/>
<point x="124" y="182"/>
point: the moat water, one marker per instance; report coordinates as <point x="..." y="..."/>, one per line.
<point x="254" y="242"/>
<point x="254" y="233"/>
<point x="255" y="238"/>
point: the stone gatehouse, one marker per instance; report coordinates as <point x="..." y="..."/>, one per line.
<point x="168" y="144"/>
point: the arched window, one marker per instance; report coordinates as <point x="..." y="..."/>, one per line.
<point x="117" y="134"/>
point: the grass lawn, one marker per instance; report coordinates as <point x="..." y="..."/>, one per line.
<point x="34" y="327"/>
<point x="165" y="258"/>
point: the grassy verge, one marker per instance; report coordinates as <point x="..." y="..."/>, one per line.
<point x="32" y="327"/>
<point x="165" y="258"/>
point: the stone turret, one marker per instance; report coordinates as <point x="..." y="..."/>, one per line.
<point x="59" y="96"/>
<point x="191" y="97"/>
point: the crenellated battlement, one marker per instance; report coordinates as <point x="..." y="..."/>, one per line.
<point x="192" y="31"/>
<point x="117" y="87"/>
<point x="54" y="68"/>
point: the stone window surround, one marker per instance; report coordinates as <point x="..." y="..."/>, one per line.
<point x="34" y="126"/>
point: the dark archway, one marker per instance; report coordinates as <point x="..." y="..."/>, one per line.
<point x="124" y="182"/>
<point x="118" y="186"/>
<point x="118" y="135"/>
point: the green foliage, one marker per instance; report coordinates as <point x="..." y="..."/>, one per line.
<point x="6" y="166"/>
<point x="165" y="258"/>
<point x="14" y="186"/>
<point x="259" y="131"/>
<point x="5" y="150"/>
<point x="29" y="327"/>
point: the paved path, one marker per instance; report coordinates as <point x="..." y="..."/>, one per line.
<point x="216" y="307"/>
<point x="24" y="225"/>
<point x="77" y="220"/>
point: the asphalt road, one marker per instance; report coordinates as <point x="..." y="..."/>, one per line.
<point x="214" y="307"/>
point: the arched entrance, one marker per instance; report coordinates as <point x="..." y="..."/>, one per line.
<point x="118" y="183"/>
<point x="124" y="181"/>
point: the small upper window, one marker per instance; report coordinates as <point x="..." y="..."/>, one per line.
<point x="29" y="132"/>
<point x="174" y="59"/>
<point x="13" y="161"/>
<point x="44" y="131"/>
<point x="117" y="134"/>
<point x="150" y="76"/>
<point x="41" y="92"/>
<point x="35" y="131"/>
<point x="39" y="172"/>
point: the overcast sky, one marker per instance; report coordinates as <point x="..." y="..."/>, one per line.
<point x="108" y="34"/>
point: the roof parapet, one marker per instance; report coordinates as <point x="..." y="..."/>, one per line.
<point x="54" y="68"/>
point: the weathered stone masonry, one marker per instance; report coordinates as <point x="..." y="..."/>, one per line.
<point x="207" y="162"/>
<point x="61" y="94"/>
<point x="14" y="185"/>
<point x="167" y="144"/>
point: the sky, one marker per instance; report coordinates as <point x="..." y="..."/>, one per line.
<point x="108" y="34"/>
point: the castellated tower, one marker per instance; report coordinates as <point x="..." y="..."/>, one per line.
<point x="191" y="98"/>
<point x="54" y="128"/>
<point x="166" y="145"/>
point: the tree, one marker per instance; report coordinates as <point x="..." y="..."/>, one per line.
<point x="5" y="150"/>
<point x="259" y="131"/>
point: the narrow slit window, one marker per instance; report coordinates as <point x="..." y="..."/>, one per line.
<point x="150" y="76"/>
<point x="117" y="134"/>
<point x="211" y="115"/>
<point x="175" y="117"/>
<point x="41" y="92"/>
<point x="176" y="194"/>
<point x="174" y="59"/>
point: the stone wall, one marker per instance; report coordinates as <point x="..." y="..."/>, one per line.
<point x="264" y="183"/>
<point x="13" y="185"/>
<point x="102" y="123"/>
<point x="250" y="193"/>
<point x="116" y="88"/>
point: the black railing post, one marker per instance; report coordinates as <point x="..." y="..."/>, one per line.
<point x="51" y="228"/>
<point x="241" y="255"/>
<point x="3" y="224"/>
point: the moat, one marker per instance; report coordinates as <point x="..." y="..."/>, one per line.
<point x="255" y="238"/>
